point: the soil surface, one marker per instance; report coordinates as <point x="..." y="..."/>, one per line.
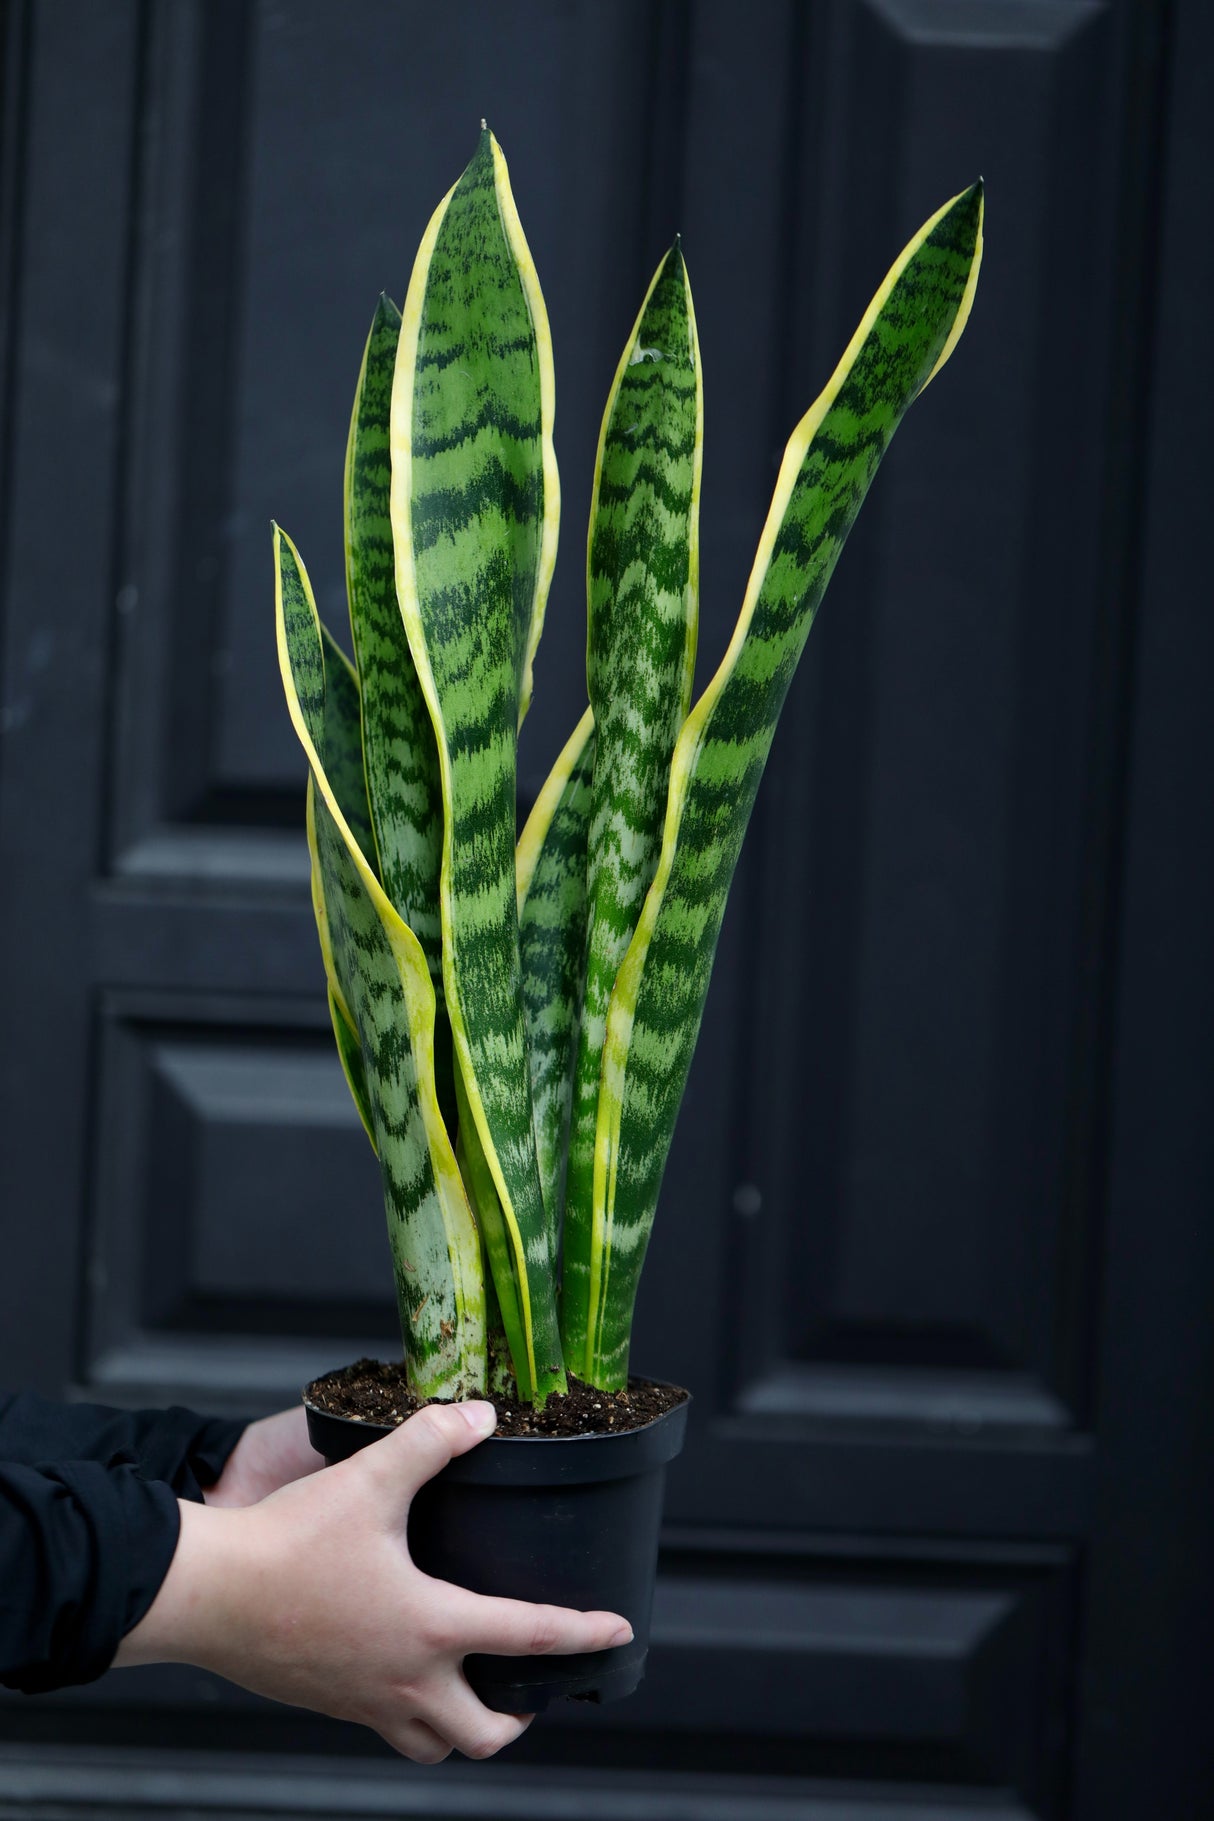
<point x="374" y="1391"/>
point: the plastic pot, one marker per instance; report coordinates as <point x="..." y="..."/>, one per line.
<point x="563" y="1520"/>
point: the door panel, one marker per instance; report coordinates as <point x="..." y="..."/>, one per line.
<point x="879" y="1256"/>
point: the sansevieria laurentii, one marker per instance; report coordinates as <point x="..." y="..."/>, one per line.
<point x="516" y="1019"/>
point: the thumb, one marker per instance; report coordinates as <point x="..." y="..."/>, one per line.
<point x="416" y="1451"/>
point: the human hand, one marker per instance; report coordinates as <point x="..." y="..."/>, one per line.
<point x="271" y="1453"/>
<point x="311" y="1597"/>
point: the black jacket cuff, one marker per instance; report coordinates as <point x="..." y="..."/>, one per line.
<point x="84" y="1549"/>
<point x="176" y="1445"/>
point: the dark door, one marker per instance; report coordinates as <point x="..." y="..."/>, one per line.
<point x="935" y="1250"/>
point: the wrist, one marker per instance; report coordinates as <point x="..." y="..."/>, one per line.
<point x="207" y="1585"/>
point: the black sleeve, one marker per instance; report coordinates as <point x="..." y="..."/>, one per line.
<point x="88" y="1526"/>
<point x="185" y="1450"/>
<point x="83" y="1550"/>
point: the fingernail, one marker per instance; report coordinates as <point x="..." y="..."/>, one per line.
<point x="480" y="1417"/>
<point x="621" y="1635"/>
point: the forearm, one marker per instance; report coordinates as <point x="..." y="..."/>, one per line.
<point x="212" y="1577"/>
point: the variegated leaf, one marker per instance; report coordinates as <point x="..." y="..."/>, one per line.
<point x="551" y="864"/>
<point x="642" y="576"/>
<point x="502" y="1292"/>
<point x="474" y="518"/>
<point x="401" y="760"/>
<point x="907" y="333"/>
<point x="343" y="754"/>
<point x="399" y="754"/>
<point x="343" y="763"/>
<point x="350" y="1054"/>
<point x="383" y="985"/>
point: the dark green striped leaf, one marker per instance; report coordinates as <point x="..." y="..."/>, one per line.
<point x="908" y="331"/>
<point x="349" y="1051"/>
<point x="382" y="989"/>
<point x="474" y="512"/>
<point x="402" y="777"/>
<point x="345" y="1032"/>
<point x="344" y="767"/>
<point x="502" y="1292"/>
<point x="398" y="751"/>
<point x="642" y="576"/>
<point x="552" y="928"/>
<point x="343" y="755"/>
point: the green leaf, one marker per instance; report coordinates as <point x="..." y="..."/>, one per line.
<point x="551" y="866"/>
<point x="907" y="333"/>
<point x="401" y="761"/>
<point x="345" y="1031"/>
<point x="398" y="752"/>
<point x="342" y="748"/>
<point x="551" y="885"/>
<point x="379" y="978"/>
<point x="343" y="762"/>
<point x="642" y="575"/>
<point x="503" y="1284"/>
<point x="350" y="1054"/>
<point x="474" y="517"/>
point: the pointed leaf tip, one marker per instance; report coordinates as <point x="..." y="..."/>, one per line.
<point x="973" y="198"/>
<point x="486" y="145"/>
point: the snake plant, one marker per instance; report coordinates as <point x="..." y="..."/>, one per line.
<point x="516" y="1019"/>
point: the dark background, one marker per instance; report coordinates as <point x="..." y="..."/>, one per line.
<point x="935" y="1254"/>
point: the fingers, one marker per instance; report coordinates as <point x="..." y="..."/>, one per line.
<point x="273" y="1452"/>
<point x="279" y="1449"/>
<point x="514" y="1628"/>
<point x="473" y="1728"/>
<point x="293" y="1448"/>
<point x="414" y="1739"/>
<point x="416" y="1451"/>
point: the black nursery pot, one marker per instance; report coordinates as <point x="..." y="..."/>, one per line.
<point x="563" y="1520"/>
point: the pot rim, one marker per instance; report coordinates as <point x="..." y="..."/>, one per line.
<point x="366" y="1427"/>
<point x="518" y="1460"/>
